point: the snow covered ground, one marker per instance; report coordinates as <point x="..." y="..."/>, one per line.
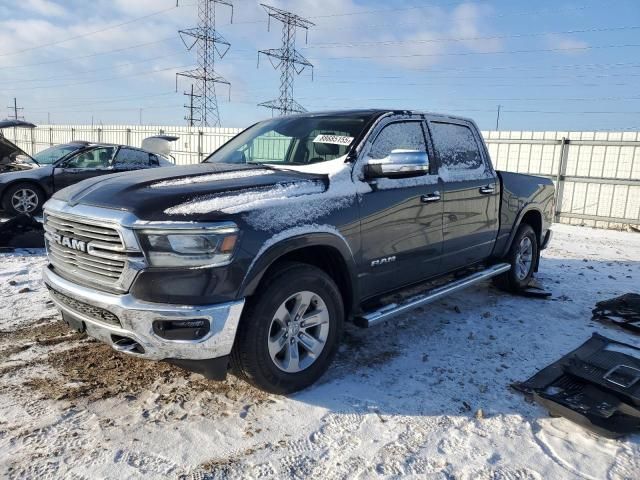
<point x="401" y="399"/>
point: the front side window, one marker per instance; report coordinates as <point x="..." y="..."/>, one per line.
<point x="398" y="136"/>
<point x="456" y="147"/>
<point x="130" y="158"/>
<point x="298" y="140"/>
<point x="96" y="158"/>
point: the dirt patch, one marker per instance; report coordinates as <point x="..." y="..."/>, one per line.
<point x="95" y="371"/>
<point x="42" y="330"/>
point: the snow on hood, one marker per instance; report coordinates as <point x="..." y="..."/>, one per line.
<point x="212" y="177"/>
<point x="289" y="205"/>
<point x="238" y="201"/>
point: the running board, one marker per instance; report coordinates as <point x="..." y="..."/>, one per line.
<point x="388" y="311"/>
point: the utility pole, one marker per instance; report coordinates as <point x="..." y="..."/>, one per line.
<point x="190" y="117"/>
<point x="15" y="109"/>
<point x="498" y="118"/>
<point x="287" y="59"/>
<point x="140" y="117"/>
<point x="209" y="44"/>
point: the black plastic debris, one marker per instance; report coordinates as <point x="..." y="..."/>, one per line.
<point x="623" y="311"/>
<point x="534" y="290"/>
<point x="596" y="386"/>
<point x="23" y="231"/>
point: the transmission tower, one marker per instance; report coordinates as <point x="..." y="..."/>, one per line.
<point x="209" y="44"/>
<point x="287" y="59"/>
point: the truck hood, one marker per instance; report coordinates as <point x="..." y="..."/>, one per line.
<point x="148" y="193"/>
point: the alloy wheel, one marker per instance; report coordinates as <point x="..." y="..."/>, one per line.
<point x="24" y="200"/>
<point x="524" y="258"/>
<point x="298" y="332"/>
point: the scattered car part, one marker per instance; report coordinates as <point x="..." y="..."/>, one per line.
<point x="623" y="311"/>
<point x="23" y="231"/>
<point x="596" y="386"/>
<point x="534" y="290"/>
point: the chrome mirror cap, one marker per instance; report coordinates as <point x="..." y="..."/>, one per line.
<point x="399" y="163"/>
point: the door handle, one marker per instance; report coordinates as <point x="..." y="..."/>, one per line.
<point x="487" y="189"/>
<point x="430" y="197"/>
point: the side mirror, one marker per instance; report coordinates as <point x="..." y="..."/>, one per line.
<point x="400" y="163"/>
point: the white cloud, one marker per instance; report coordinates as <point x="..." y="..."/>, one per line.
<point x="566" y="45"/>
<point x="408" y="37"/>
<point x="46" y="8"/>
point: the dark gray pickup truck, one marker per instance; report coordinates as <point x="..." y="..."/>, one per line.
<point x="255" y="258"/>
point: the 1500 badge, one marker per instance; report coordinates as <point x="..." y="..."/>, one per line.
<point x="383" y="261"/>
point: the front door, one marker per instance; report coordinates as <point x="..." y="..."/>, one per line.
<point x="401" y="218"/>
<point x="83" y="165"/>
<point x="471" y="194"/>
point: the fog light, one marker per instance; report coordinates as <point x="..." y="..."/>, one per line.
<point x="192" y="329"/>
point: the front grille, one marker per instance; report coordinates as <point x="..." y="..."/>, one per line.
<point x="96" y="313"/>
<point x="101" y="257"/>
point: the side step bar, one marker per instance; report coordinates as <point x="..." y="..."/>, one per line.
<point x="388" y="311"/>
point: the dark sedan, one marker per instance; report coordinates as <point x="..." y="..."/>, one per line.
<point x="26" y="182"/>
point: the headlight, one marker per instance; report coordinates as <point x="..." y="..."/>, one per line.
<point x="206" y="247"/>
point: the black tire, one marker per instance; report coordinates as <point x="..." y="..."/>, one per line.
<point x="33" y="191"/>
<point x="514" y="280"/>
<point x="251" y="359"/>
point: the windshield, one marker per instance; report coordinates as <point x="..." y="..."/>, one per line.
<point x="53" y="154"/>
<point x="293" y="140"/>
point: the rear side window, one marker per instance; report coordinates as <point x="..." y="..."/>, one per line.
<point x="398" y="136"/>
<point x="130" y="158"/>
<point x="459" y="152"/>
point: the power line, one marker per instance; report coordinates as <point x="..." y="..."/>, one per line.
<point x="467" y="39"/>
<point x="91" y="55"/>
<point x="82" y="72"/>
<point x="464" y="54"/>
<point x="100" y="79"/>
<point x="87" y="34"/>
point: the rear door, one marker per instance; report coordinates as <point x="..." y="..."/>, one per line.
<point x="133" y="159"/>
<point x="471" y="193"/>
<point x="401" y="219"/>
<point x="86" y="164"/>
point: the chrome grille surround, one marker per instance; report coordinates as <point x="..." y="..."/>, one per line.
<point x="110" y="257"/>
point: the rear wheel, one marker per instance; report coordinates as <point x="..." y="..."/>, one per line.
<point x="290" y="330"/>
<point x="522" y="257"/>
<point x="23" y="198"/>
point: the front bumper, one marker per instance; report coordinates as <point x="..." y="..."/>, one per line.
<point x="126" y="323"/>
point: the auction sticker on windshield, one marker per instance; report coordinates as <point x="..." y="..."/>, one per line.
<point x="334" y="139"/>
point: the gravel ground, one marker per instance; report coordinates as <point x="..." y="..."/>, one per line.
<point x="402" y="399"/>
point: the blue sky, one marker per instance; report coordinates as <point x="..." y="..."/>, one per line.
<point x="551" y="65"/>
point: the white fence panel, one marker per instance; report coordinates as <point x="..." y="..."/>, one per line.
<point x="597" y="174"/>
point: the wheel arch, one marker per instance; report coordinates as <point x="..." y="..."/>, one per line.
<point x="531" y="216"/>
<point x="326" y="251"/>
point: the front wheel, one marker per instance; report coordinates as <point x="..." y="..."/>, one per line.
<point x="23" y="198"/>
<point x="290" y="331"/>
<point x="522" y="257"/>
